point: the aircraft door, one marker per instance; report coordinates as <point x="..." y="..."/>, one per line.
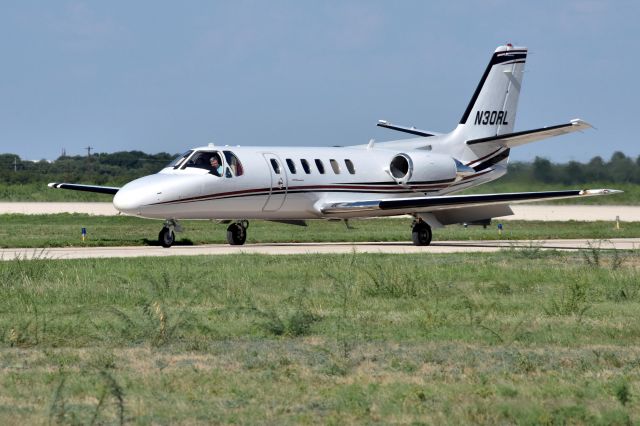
<point x="279" y="183"/>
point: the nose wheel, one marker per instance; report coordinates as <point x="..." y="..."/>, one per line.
<point x="237" y="233"/>
<point x="421" y="234"/>
<point x="167" y="237"/>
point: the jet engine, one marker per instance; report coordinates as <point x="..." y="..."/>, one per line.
<point x="425" y="167"/>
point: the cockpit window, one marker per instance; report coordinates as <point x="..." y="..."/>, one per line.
<point x="218" y="163"/>
<point x="179" y="159"/>
<point x="234" y="166"/>
<point x="208" y="160"/>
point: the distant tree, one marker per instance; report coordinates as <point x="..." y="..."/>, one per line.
<point x="621" y="168"/>
<point x="573" y="173"/>
<point x="543" y="170"/>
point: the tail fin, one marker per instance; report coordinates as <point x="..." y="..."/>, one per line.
<point x="492" y="109"/>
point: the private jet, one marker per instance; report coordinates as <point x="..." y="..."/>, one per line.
<point x="416" y="176"/>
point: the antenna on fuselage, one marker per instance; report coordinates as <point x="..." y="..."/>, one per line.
<point x="371" y="142"/>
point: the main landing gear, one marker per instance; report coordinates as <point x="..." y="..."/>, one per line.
<point x="421" y="233"/>
<point x="237" y="233"/>
<point x="167" y="237"/>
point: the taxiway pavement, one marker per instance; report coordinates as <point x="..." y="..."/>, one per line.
<point x="316" y="248"/>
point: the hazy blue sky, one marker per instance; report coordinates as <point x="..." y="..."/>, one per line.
<point x="165" y="76"/>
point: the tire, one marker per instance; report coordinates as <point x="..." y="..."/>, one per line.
<point x="166" y="237"/>
<point x="421" y="234"/>
<point x="236" y="234"/>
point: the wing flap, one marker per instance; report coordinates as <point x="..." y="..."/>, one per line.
<point x="511" y="140"/>
<point x="445" y="202"/>
<point x="87" y="188"/>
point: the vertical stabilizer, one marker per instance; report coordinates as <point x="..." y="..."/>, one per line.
<point x="492" y="108"/>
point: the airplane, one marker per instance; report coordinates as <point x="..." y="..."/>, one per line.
<point x="417" y="176"/>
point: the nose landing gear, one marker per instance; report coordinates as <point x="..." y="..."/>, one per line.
<point x="167" y="237"/>
<point x="237" y="233"/>
<point x="421" y="233"/>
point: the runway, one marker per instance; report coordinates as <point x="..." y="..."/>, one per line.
<point x="521" y="211"/>
<point x="316" y="248"/>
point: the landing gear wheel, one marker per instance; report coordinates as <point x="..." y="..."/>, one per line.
<point x="421" y="234"/>
<point x="166" y="237"/>
<point x="236" y="234"/>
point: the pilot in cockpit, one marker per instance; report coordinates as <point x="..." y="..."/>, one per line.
<point x="216" y="166"/>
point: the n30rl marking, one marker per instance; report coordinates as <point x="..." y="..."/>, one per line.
<point x="491" y="117"/>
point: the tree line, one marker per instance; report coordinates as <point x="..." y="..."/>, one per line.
<point x="100" y="168"/>
<point x="120" y="167"/>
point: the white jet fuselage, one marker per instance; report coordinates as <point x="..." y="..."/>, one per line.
<point x="293" y="183"/>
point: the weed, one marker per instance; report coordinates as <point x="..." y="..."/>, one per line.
<point x="533" y="250"/>
<point x="572" y="301"/>
<point x="622" y="391"/>
<point x="57" y="409"/>
<point x="60" y="412"/>
<point x="390" y="281"/>
<point x="116" y="391"/>
<point x="23" y="269"/>
<point x="591" y="255"/>
<point x="343" y="287"/>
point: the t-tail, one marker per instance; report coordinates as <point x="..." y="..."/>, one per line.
<point x="492" y="109"/>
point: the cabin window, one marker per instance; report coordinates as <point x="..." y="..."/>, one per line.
<point x="292" y="166"/>
<point x="350" y="167"/>
<point x="275" y="165"/>
<point x="305" y="166"/>
<point x="335" y="166"/>
<point x="320" y="166"/>
<point x="179" y="159"/>
<point x="234" y="166"/>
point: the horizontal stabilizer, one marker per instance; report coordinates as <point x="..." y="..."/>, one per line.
<point x="87" y="188"/>
<point x="435" y="203"/>
<point x="411" y="130"/>
<point x="511" y="140"/>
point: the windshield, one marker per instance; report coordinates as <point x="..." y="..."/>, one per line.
<point x="179" y="159"/>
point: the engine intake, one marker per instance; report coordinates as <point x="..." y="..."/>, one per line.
<point x="401" y="168"/>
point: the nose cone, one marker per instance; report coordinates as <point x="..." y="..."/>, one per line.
<point x="134" y="196"/>
<point x="126" y="202"/>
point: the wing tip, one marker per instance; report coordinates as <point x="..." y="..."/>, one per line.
<point x="590" y="192"/>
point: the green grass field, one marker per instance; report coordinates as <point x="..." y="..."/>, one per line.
<point x="62" y="230"/>
<point x="520" y="336"/>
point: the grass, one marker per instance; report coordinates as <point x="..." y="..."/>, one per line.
<point x="63" y="230"/>
<point x="533" y="337"/>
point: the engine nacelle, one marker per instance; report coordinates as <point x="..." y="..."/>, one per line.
<point x="423" y="167"/>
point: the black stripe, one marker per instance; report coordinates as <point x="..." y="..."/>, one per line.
<point x="87" y="188"/>
<point x="512" y="135"/>
<point x="474" y="199"/>
<point x="393" y="183"/>
<point x="213" y="197"/>
<point x="497" y="58"/>
<point x="491" y="161"/>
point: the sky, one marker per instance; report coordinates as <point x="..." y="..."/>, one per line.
<point x="159" y="76"/>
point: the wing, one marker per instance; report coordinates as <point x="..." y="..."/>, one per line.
<point x="510" y="140"/>
<point x="87" y="188"/>
<point x="449" y="209"/>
